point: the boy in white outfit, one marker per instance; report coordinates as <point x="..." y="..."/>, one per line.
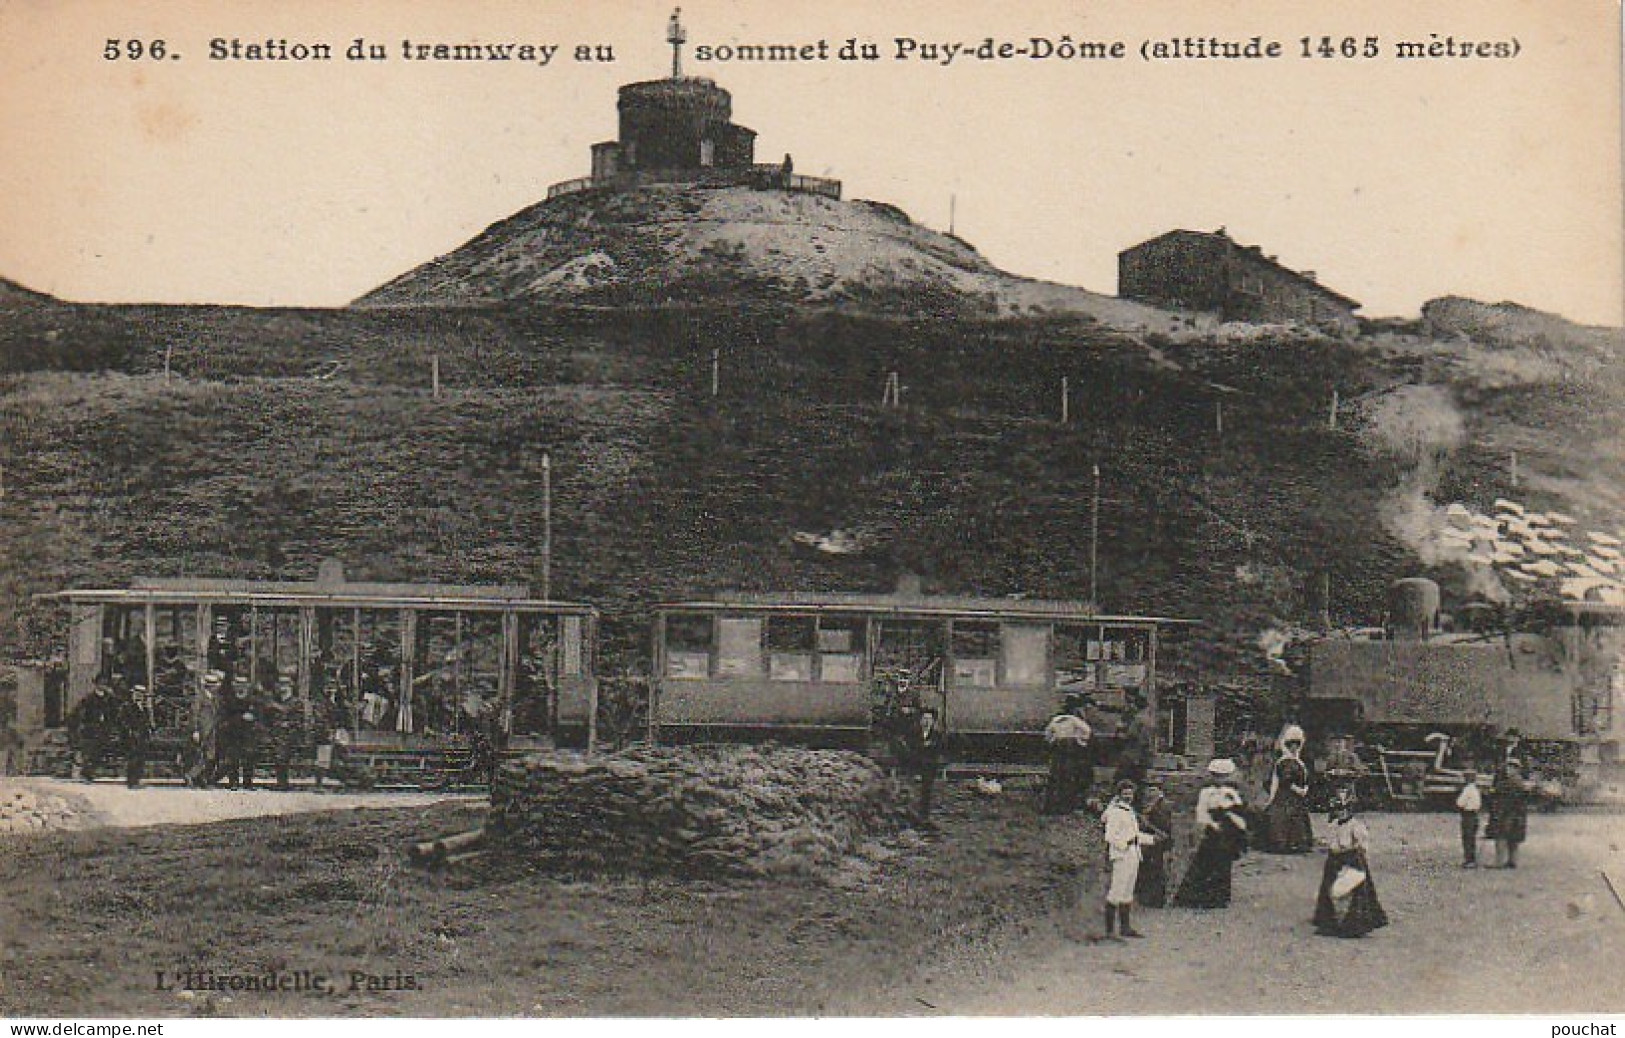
<point x="1469" y="803"/>
<point x="1123" y="842"/>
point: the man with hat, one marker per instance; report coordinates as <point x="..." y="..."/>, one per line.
<point x="1071" y="771"/>
<point x="135" y="730"/>
<point x="285" y="724"/>
<point x="1123" y="842"/>
<point x="922" y="755"/>
<point x="239" y="734"/>
<point x="204" y="750"/>
<point x="92" y="728"/>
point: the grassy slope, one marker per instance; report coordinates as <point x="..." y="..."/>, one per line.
<point x="243" y="465"/>
<point x="93" y="915"/>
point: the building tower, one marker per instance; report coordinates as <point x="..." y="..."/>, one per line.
<point x="672" y="125"/>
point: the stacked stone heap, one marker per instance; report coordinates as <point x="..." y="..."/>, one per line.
<point x="723" y="811"/>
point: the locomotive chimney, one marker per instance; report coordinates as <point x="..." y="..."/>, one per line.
<point x="1413" y="608"/>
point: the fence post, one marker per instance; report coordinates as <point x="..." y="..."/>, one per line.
<point x="547" y="525"/>
<point x="1331" y="419"/>
<point x="716" y="371"/>
<point x="168" y="349"/>
<point x="1218" y="417"/>
<point x="434" y="374"/>
<point x="1066" y="401"/>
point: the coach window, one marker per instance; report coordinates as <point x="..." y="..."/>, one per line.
<point x="1024" y="658"/>
<point x="739" y="647"/>
<point x="124" y="644"/>
<point x="379" y="684"/>
<point x="539" y="663"/>
<point x="688" y="646"/>
<point x="1074" y="668"/>
<point x="570" y="657"/>
<point x="976" y="654"/>
<point x="275" y="642"/>
<point x="1125" y="655"/>
<point x="791" y="641"/>
<point x="840" y="649"/>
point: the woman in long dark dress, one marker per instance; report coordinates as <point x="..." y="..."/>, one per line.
<point x="1347" y="905"/>
<point x="1156" y="818"/>
<point x="1288" y="830"/>
<point x="1222" y="838"/>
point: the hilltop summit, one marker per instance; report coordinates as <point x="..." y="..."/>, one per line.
<point x="669" y="243"/>
<point x="676" y="209"/>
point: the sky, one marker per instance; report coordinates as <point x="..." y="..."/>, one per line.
<point x="309" y="183"/>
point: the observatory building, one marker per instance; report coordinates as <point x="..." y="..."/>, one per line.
<point x="680" y="130"/>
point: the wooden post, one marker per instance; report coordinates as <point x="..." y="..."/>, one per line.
<point x="892" y="395"/>
<point x="1218" y="417"/>
<point x="168" y="349"/>
<point x="1512" y="468"/>
<point x="716" y="372"/>
<point x="434" y="372"/>
<point x="1331" y="419"/>
<point x="547" y="526"/>
<point x="1066" y="400"/>
<point x="1094" y="542"/>
<point x="1325" y="600"/>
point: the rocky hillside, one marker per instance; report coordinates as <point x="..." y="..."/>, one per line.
<point x="669" y="244"/>
<point x="1511" y="325"/>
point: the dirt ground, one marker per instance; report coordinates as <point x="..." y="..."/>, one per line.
<point x="995" y="914"/>
<point x="1548" y="937"/>
<point x="90" y="805"/>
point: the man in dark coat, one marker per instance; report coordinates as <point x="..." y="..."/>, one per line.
<point x="284" y="724"/>
<point x="239" y="735"/>
<point x="93" y="729"/>
<point x="922" y="755"/>
<point x="135" y="732"/>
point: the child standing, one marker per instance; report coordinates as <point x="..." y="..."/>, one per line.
<point x="1469" y="803"/>
<point x="1123" y="842"/>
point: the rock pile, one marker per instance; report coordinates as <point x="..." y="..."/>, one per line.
<point x="23" y="809"/>
<point x="723" y="811"/>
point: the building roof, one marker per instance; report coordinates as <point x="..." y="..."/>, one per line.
<point x="913" y="605"/>
<point x="1252" y="252"/>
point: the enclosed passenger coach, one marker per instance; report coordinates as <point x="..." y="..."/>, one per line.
<point x="829" y="668"/>
<point x="395" y="666"/>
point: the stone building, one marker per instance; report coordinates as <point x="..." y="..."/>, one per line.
<point x="680" y="130"/>
<point x="1195" y="270"/>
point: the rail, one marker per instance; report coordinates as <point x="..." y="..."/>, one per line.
<point x="763" y="177"/>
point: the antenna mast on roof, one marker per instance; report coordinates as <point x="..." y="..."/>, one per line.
<point x="676" y="35"/>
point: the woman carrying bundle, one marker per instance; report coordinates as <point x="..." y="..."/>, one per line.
<point x="1347" y="905"/>
<point x="1222" y="838"/>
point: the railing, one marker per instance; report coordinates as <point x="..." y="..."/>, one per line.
<point x="763" y="177"/>
<point x="570" y="187"/>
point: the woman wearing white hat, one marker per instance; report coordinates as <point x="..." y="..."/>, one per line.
<point x="1289" y="831"/>
<point x="1222" y="838"/>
